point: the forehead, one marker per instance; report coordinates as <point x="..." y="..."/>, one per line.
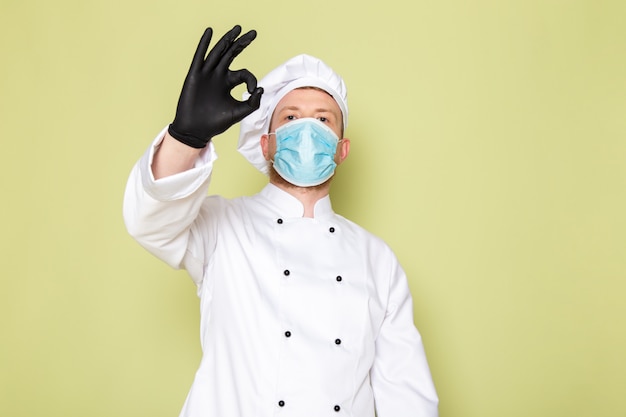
<point x="308" y="99"/>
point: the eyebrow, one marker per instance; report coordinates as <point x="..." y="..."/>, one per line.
<point x="296" y="108"/>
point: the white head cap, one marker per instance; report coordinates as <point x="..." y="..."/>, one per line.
<point x="300" y="71"/>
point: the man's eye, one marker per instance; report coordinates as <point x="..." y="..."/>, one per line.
<point x="291" y="117"/>
<point x="322" y="119"/>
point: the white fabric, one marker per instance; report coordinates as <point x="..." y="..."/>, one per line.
<point x="237" y="252"/>
<point x="300" y="71"/>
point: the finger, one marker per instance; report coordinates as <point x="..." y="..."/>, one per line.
<point x="242" y="76"/>
<point x="203" y="45"/>
<point x="236" y="47"/>
<point x="254" y="101"/>
<point x="215" y="55"/>
<point x="244" y="108"/>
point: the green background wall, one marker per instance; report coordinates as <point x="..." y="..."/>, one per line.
<point x="488" y="149"/>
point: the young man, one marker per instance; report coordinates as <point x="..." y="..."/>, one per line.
<point x="303" y="313"/>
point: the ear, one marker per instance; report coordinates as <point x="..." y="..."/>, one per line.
<point x="343" y="149"/>
<point x="265" y="141"/>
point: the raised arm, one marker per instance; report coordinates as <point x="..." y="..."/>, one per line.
<point x="167" y="187"/>
<point x="206" y="107"/>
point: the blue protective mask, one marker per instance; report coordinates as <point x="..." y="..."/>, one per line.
<point x="305" y="152"/>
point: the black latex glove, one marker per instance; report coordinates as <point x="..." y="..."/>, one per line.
<point x="206" y="107"/>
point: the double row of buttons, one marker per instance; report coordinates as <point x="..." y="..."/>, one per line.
<point x="330" y="229"/>
<point x="281" y="403"/>
<point x="338" y="278"/>
<point x="288" y="334"/>
<point x="287" y="272"/>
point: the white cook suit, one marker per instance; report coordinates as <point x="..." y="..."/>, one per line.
<point x="300" y="317"/>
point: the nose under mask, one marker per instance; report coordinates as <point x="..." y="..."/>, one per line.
<point x="305" y="152"/>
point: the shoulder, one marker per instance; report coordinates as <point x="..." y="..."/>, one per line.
<point x="242" y="207"/>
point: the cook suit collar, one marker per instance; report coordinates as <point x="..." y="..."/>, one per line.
<point x="289" y="206"/>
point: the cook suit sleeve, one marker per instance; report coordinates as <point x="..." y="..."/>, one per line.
<point x="400" y="375"/>
<point x="162" y="215"/>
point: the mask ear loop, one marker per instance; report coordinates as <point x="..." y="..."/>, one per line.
<point x="271" y="157"/>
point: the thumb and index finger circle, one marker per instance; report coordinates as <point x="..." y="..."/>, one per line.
<point x="244" y="76"/>
<point x="244" y="108"/>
